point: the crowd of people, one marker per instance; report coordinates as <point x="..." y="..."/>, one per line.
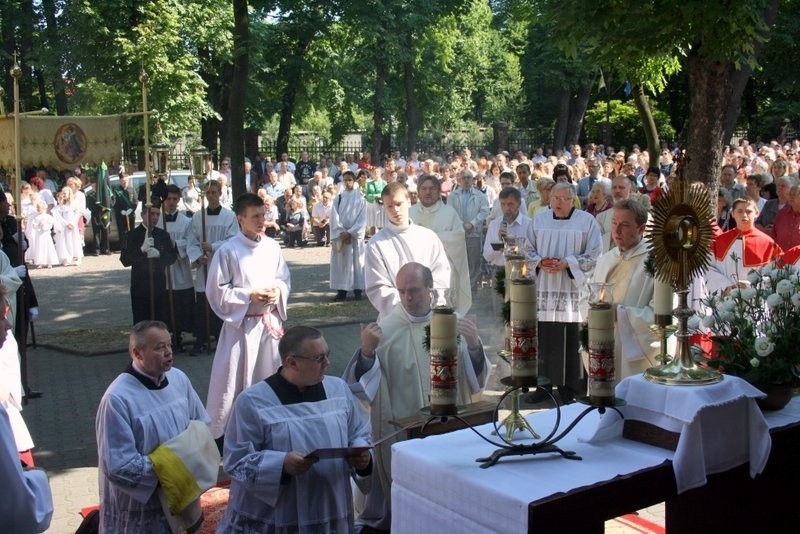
<point x="396" y="232"/>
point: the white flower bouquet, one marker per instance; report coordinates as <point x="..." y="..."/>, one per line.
<point x="756" y="330"/>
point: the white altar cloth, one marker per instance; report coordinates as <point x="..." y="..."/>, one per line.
<point x="438" y="486"/>
<point x="720" y="425"/>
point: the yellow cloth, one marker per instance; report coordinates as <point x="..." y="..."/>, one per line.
<point x="180" y="487"/>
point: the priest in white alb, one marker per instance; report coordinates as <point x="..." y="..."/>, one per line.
<point x="399" y="242"/>
<point x="348" y="222"/>
<point x="564" y="242"/>
<point x="391" y="372"/>
<point x="431" y="213"/>
<point x="635" y="346"/>
<point x="248" y="287"/>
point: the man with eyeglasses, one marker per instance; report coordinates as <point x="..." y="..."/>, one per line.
<point x="277" y="482"/>
<point x="391" y="372"/>
<point x="565" y="243"/>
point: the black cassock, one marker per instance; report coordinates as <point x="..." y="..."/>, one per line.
<point x="141" y="267"/>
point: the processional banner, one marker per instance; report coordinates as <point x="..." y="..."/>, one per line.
<point x="61" y="142"/>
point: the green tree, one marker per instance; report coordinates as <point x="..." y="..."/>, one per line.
<point x="716" y="37"/>
<point x="626" y="122"/>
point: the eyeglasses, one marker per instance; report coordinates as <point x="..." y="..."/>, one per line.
<point x="316" y="359"/>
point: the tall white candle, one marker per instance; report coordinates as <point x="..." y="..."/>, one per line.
<point x="662" y="298"/>
<point x="443" y="360"/>
<point x="601" y="353"/>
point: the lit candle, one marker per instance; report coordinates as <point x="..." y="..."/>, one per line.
<point x="524" y="332"/>
<point x="443" y="360"/>
<point x="662" y="299"/>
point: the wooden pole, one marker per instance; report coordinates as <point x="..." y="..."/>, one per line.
<point x="205" y="273"/>
<point x="144" y="78"/>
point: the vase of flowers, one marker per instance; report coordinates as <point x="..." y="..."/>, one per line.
<point x="756" y="330"/>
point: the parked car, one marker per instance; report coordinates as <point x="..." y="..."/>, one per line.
<point x="177" y="177"/>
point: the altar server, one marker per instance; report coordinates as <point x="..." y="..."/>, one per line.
<point x="348" y="221"/>
<point x="276" y="486"/>
<point x="146" y="406"/>
<point x="565" y="243"/>
<point x="738" y="251"/>
<point x="396" y="244"/>
<point x="180" y="282"/>
<point x="635" y="346"/>
<point x="433" y="214"/>
<point x="209" y="232"/>
<point x="248" y="287"/>
<point x="391" y="372"/>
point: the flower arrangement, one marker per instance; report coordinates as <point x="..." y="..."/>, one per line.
<point x="755" y="330"/>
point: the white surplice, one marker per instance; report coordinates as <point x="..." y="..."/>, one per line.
<point x="635" y="346"/>
<point x="446" y="223"/>
<point x="247" y="350"/>
<point x="179" y="231"/>
<point x="218" y="229"/>
<point x="348" y="214"/>
<point x="27" y="503"/>
<point x="261" y="431"/>
<point x="577" y="240"/>
<point x="397" y="386"/>
<point x="391" y="248"/>
<point x="11" y="391"/>
<point x="132" y="420"/>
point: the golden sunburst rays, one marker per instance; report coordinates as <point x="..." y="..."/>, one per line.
<point x="681" y="233"/>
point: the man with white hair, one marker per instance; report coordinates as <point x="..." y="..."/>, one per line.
<point x="564" y="242"/>
<point x="473" y="208"/>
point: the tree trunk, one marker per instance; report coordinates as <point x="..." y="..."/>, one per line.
<point x="648" y="123"/>
<point x="709" y="94"/>
<point x="293" y="76"/>
<point x="577" y="110"/>
<point x="377" y="99"/>
<point x="241" y="43"/>
<point x="741" y="76"/>
<point x="413" y="119"/>
<point x="560" y="135"/>
<point x="55" y="68"/>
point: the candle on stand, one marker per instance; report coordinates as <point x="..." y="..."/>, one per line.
<point x="443" y="348"/>
<point x="602" y="372"/>
<point x="524" y="326"/>
<point x="662" y="302"/>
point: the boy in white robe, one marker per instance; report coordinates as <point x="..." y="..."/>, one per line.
<point x="276" y="485"/>
<point x="564" y="244"/>
<point x="391" y="372"/>
<point x="399" y="242"/>
<point x="248" y="287"/>
<point x="435" y="215"/>
<point x="202" y="243"/>
<point x="348" y="222"/>
<point x="148" y="404"/>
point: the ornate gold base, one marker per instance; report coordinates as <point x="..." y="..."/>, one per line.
<point x="675" y="374"/>
<point x="515" y="420"/>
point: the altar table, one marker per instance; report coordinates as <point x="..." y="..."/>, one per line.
<point x="438" y="486"/>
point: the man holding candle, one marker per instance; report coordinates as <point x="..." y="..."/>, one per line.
<point x="390" y="371"/>
<point x="399" y="242"/>
<point x="565" y="243"/>
<point x="635" y="346"/>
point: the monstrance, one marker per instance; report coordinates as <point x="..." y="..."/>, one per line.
<point x="680" y="237"/>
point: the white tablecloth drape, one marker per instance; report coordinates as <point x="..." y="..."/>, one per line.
<point x="438" y="486"/>
<point x="720" y="425"/>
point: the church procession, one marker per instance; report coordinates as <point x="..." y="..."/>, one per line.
<point x="240" y="334"/>
<point x="584" y="294"/>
